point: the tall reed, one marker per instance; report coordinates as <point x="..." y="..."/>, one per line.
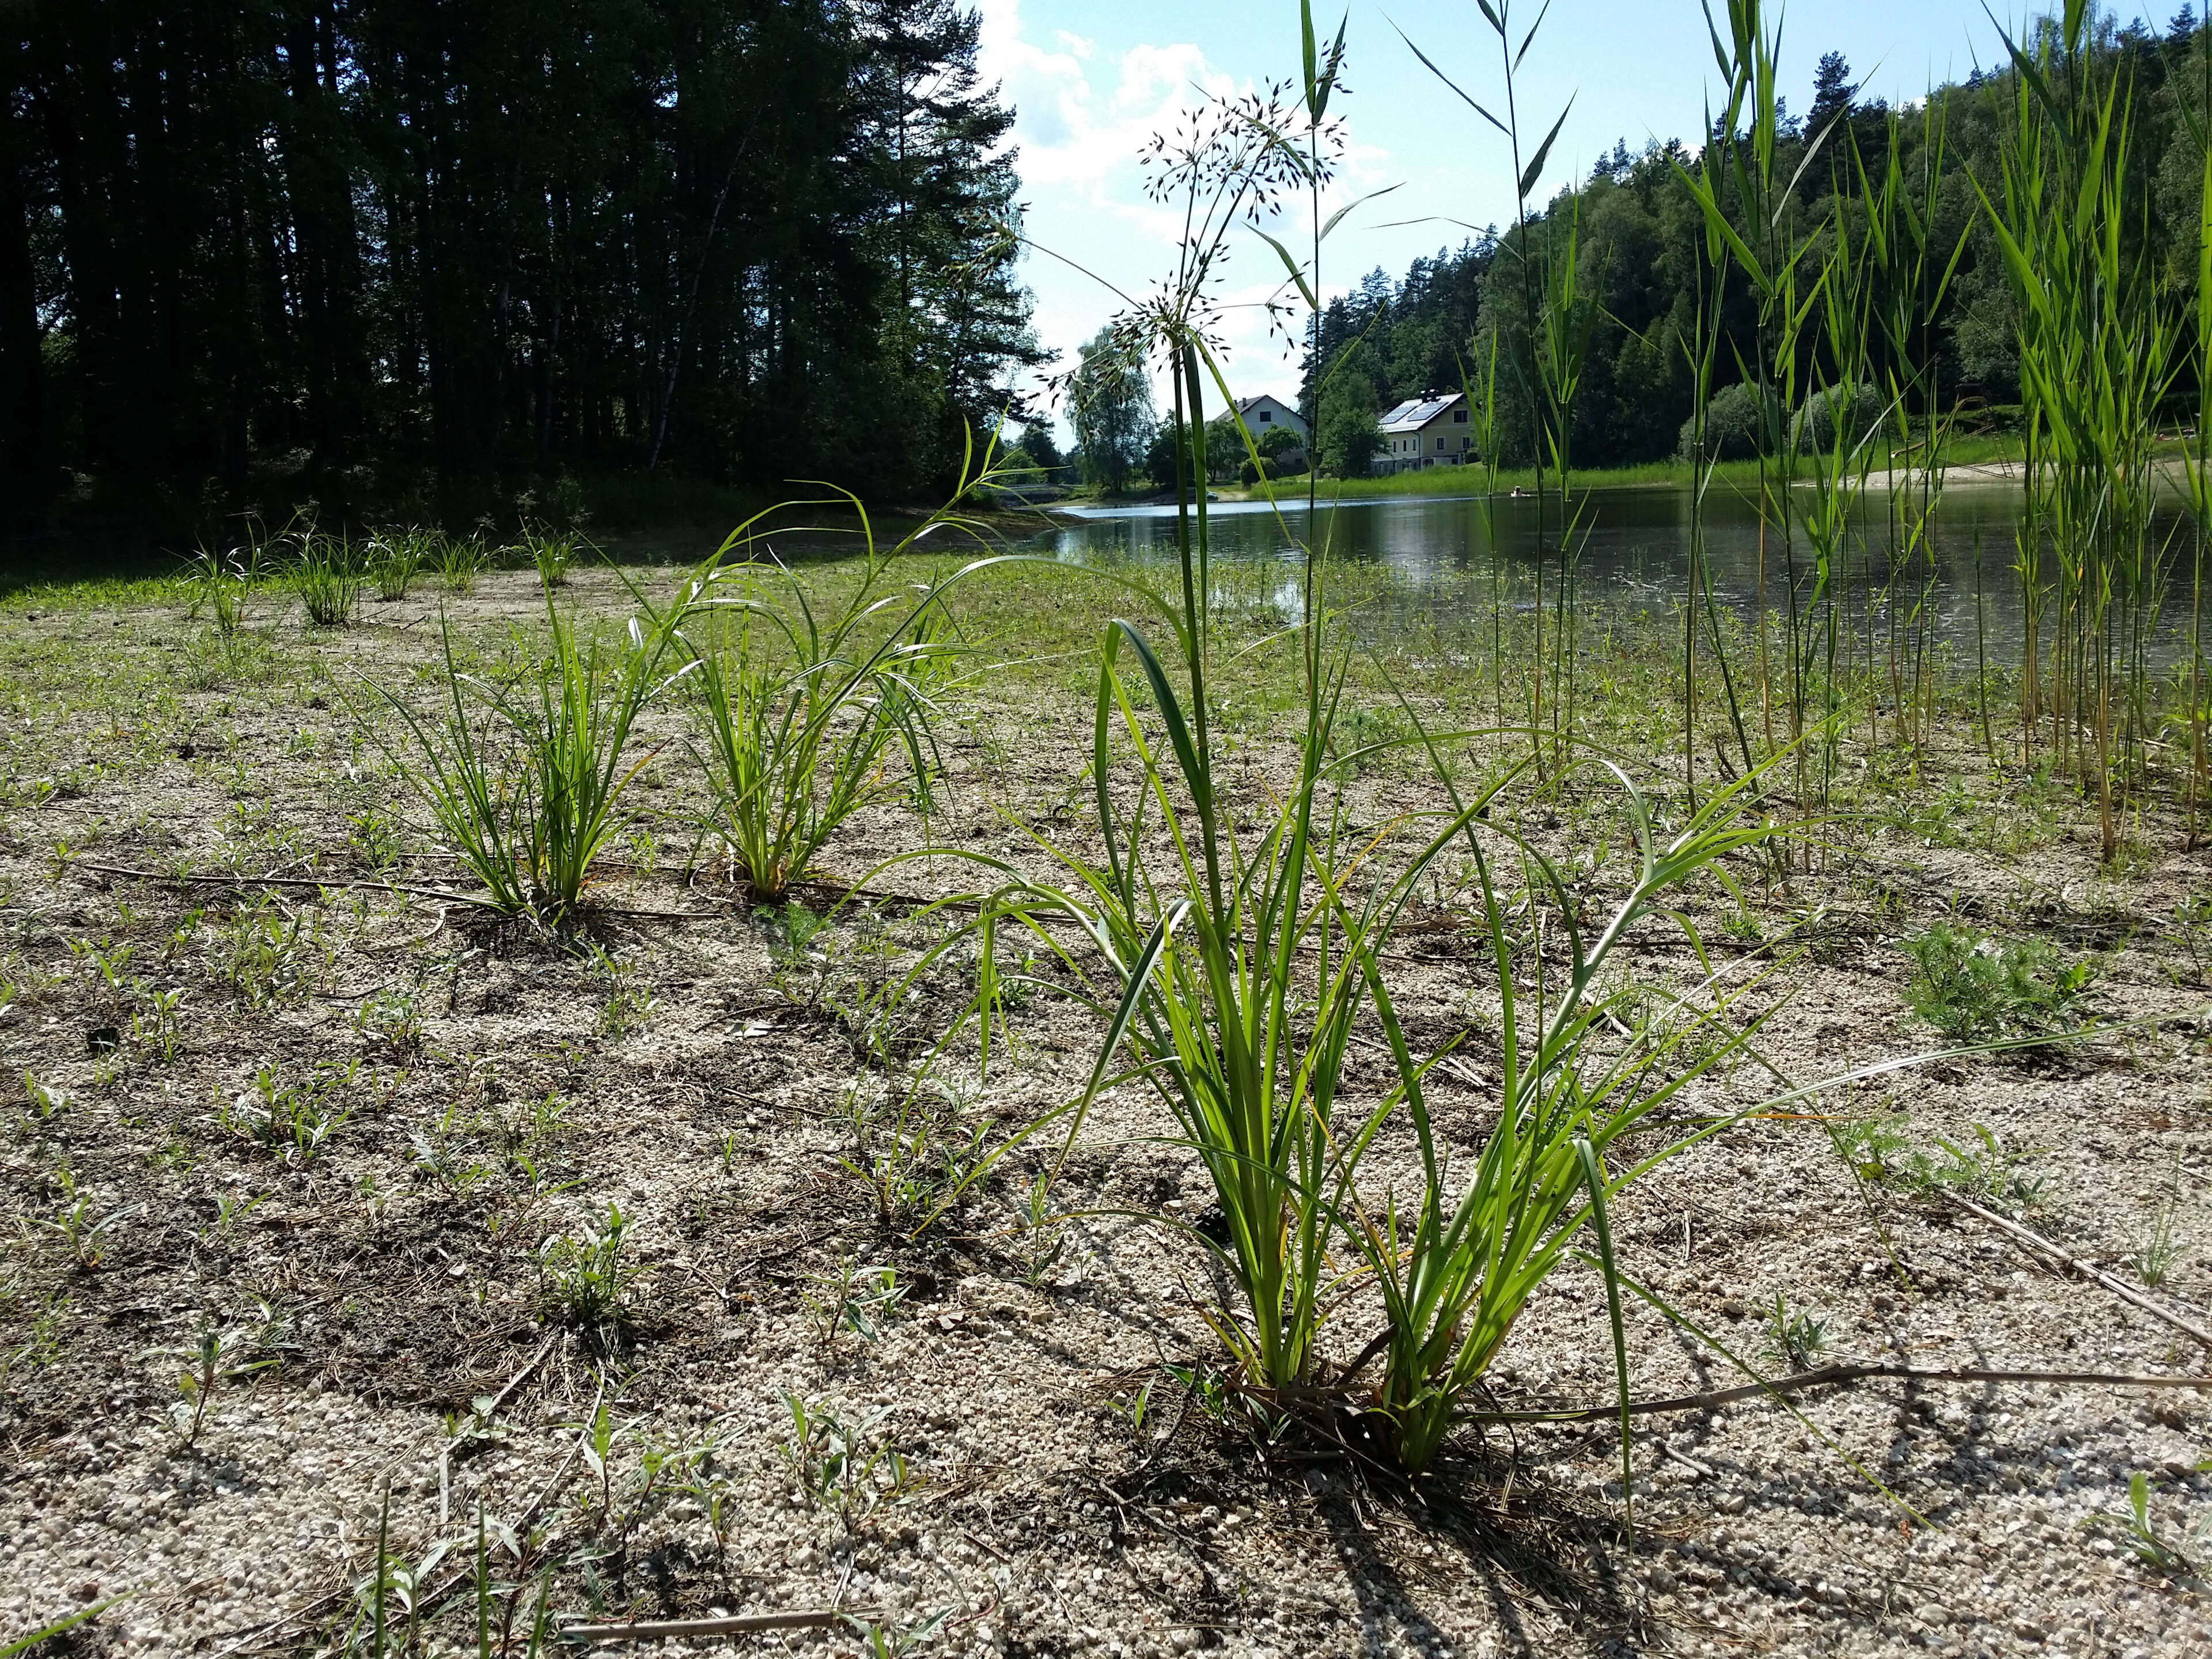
<point x="2095" y="351"/>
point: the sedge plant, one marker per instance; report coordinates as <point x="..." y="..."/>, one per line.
<point x="330" y="576"/>
<point x="1458" y="1266"/>
<point x="527" y="779"/>
<point x="799" y="714"/>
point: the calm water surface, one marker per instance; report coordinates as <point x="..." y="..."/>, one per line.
<point x="1439" y="553"/>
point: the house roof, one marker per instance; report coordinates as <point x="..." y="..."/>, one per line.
<point x="1417" y="412"/>
<point x="1244" y="405"/>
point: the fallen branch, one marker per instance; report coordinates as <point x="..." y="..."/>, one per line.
<point x="1831" y="1376"/>
<point x="2119" y="1287"/>
<point x="675" y="1629"/>
<point x="446" y="1455"/>
<point x="439" y="893"/>
<point x="166" y="879"/>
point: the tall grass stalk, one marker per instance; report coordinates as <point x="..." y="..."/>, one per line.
<point x="1553" y="330"/>
<point x="2197" y="461"/>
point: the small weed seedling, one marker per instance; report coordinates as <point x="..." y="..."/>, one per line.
<point x="792" y="931"/>
<point x="46" y="1099"/>
<point x="1985" y="1170"/>
<point x="1208" y="1389"/>
<point x="1043" y="1239"/>
<point x="2192" y="926"/>
<point x="393" y="1019"/>
<point x="1132" y="1408"/>
<point x="477" y="1427"/>
<point x="582" y="1276"/>
<point x="1796" y="1340"/>
<point x="268" y="954"/>
<point x="1982" y="1169"/>
<point x="374" y="839"/>
<point x="86" y="1239"/>
<point x="2162" y="1252"/>
<point x="230" y="1209"/>
<point x="293" y="1118"/>
<point x="845" y="1468"/>
<point x="629" y="1007"/>
<point x="861" y="1300"/>
<point x="42" y="1341"/>
<point x="2168" y="1557"/>
<point x="1974" y="988"/>
<point x="217" y="1359"/>
<point x="155" y="1027"/>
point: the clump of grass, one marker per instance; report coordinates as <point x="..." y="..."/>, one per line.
<point x="526" y="782"/>
<point x="1457" y="1267"/>
<point x="1974" y="987"/>
<point x="582" y="1276"/>
<point x="459" y="560"/>
<point x="554" y="556"/>
<point x="393" y="560"/>
<point x="799" y="714"/>
<point x="220" y="584"/>
<point x="330" y="576"/>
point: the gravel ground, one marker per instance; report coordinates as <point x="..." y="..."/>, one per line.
<point x="696" y="1073"/>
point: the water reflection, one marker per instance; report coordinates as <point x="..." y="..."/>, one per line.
<point x="1964" y="586"/>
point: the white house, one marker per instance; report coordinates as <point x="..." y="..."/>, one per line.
<point x="1424" y="432"/>
<point x="1265" y="412"/>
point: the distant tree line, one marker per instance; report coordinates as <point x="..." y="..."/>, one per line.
<point x="1638" y="238"/>
<point x="361" y="248"/>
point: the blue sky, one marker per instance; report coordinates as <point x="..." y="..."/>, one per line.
<point x="1092" y="82"/>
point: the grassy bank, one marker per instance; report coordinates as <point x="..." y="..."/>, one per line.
<point x="1742" y="477"/>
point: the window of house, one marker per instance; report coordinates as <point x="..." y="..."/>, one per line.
<point x="1459" y="416"/>
<point x="1440" y="441"/>
<point x="1266" y="415"/>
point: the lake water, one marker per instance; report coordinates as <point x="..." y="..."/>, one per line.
<point x="1633" y="554"/>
